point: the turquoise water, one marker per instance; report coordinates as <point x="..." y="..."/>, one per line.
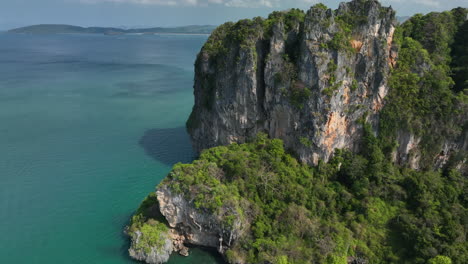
<point x="89" y="124"/>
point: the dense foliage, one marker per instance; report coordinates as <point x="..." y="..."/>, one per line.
<point x="459" y="54"/>
<point x="358" y="206"/>
<point x="424" y="99"/>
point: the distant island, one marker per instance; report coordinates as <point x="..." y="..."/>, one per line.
<point x="60" y="29"/>
<point x="70" y="29"/>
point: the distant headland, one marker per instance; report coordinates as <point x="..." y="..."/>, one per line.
<point x="59" y="29"/>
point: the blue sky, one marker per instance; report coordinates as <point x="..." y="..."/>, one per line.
<point x="137" y="13"/>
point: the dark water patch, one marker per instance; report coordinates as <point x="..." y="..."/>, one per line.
<point x="168" y="145"/>
<point x="172" y="80"/>
<point x="106" y="65"/>
<point x="149" y="88"/>
<point x="60" y="61"/>
<point x="115" y="251"/>
<point x="198" y="255"/>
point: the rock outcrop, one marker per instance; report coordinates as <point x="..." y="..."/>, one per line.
<point x="151" y="255"/>
<point x="172" y="221"/>
<point x="309" y="82"/>
<point x="196" y="226"/>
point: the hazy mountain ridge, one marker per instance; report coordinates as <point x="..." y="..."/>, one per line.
<point x="70" y="29"/>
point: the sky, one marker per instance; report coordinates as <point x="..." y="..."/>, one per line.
<point x="167" y="13"/>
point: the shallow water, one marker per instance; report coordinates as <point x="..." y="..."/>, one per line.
<point x="89" y="124"/>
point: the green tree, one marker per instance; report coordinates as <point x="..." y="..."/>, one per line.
<point x="440" y="260"/>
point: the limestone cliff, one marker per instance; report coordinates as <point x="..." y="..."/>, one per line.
<point x="308" y="81"/>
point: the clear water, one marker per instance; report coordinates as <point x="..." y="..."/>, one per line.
<point x="89" y="124"/>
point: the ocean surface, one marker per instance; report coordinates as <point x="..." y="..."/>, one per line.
<point x="89" y="125"/>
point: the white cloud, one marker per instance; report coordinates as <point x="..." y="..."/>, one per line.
<point x="147" y="2"/>
<point x="268" y="3"/>
<point x="229" y="3"/>
<point x="435" y="3"/>
<point x="431" y="3"/>
<point x="251" y="3"/>
<point x="259" y="3"/>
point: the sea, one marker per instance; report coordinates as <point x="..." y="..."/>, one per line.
<point x="89" y="125"/>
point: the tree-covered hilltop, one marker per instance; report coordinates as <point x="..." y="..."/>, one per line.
<point x="358" y="207"/>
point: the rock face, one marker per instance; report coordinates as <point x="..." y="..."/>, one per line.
<point x="308" y="83"/>
<point x="194" y="226"/>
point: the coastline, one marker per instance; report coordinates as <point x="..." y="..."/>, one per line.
<point x="123" y="34"/>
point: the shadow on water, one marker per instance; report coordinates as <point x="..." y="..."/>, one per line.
<point x="168" y="145"/>
<point x="172" y="80"/>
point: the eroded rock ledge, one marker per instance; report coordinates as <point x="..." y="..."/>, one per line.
<point x="196" y="226"/>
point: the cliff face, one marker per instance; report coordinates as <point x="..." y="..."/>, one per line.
<point x="311" y="80"/>
<point x="305" y="80"/>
